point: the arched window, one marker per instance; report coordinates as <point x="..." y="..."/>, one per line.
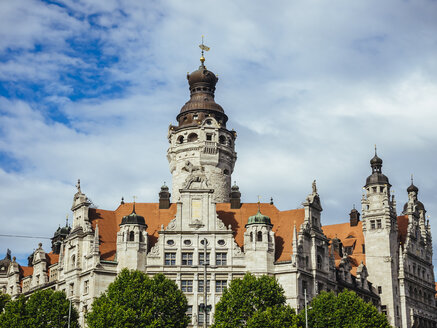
<point x="180" y="139"/>
<point x="141" y="237"/>
<point x="226" y="171"/>
<point x="222" y="140"/>
<point x="192" y="137"/>
<point x="131" y="236"/>
<point x="251" y="236"/>
<point x="259" y="236"/>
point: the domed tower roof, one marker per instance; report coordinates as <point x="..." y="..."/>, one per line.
<point x="133" y="218"/>
<point x="376" y="177"/>
<point x="259" y="218"/>
<point x="412" y="188"/>
<point x="202" y="84"/>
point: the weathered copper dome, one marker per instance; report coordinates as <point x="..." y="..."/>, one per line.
<point x="202" y="84"/>
<point x="259" y="218"/>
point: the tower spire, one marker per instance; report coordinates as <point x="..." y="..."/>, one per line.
<point x="203" y="48"/>
<point x="133" y="209"/>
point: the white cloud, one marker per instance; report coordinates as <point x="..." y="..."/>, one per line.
<point x="309" y="87"/>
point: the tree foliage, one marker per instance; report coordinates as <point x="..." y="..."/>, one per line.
<point x="248" y="296"/>
<point x="278" y="316"/>
<point x="44" y="308"/>
<point x="136" y="300"/>
<point x="346" y="310"/>
<point x="4" y="298"/>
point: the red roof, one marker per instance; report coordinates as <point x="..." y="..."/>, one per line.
<point x="282" y="221"/>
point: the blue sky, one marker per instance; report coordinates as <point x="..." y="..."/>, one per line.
<point x="88" y="89"/>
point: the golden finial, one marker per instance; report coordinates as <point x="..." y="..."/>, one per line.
<point x="204" y="48"/>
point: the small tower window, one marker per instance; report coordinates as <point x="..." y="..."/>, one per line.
<point x="259" y="236"/>
<point x="378" y="224"/>
<point x="131" y="236"/>
<point x="372" y="224"/>
<point x="251" y="237"/>
<point x="208" y="136"/>
<point x="195" y="117"/>
<point x="222" y="140"/>
<point x="181" y="139"/>
<point x="192" y="137"/>
<point x="226" y="171"/>
<point x="141" y="238"/>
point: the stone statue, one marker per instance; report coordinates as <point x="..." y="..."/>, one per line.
<point x="314" y="187"/>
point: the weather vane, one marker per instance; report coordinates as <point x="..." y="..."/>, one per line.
<point x="204" y="48"/>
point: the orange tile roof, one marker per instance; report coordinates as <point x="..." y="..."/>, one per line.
<point x="342" y="231"/>
<point x="282" y="221"/>
<point x="109" y="221"/>
<point x="52" y="258"/>
<point x="26" y="271"/>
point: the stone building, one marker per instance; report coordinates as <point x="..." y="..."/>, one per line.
<point x="385" y="258"/>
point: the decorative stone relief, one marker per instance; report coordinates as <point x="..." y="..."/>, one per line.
<point x="219" y="223"/>
<point x="237" y="250"/>
<point x="172" y="225"/>
<point x="154" y="251"/>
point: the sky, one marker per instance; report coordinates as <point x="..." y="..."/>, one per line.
<point x="89" y="88"/>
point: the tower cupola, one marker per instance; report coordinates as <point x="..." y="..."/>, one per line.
<point x="133" y="218"/>
<point x="259" y="218"/>
<point x="202" y="84"/>
<point x="377" y="177"/>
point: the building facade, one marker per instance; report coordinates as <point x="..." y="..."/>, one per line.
<point x="383" y="257"/>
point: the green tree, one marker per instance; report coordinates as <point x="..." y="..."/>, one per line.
<point x="278" y="316"/>
<point x="14" y="314"/>
<point x="244" y="298"/>
<point x="4" y="298"/>
<point x="136" y="300"/>
<point x="346" y="309"/>
<point x="47" y="308"/>
<point x="44" y="308"/>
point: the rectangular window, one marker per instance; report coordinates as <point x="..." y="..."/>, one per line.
<point x="372" y="224"/>
<point x="220" y="258"/>
<point x="170" y="258"/>
<point x="201" y="284"/>
<point x="187" y="286"/>
<point x="220" y="285"/>
<point x="201" y="315"/>
<point x="379" y="290"/>
<point x="187" y="258"/>
<point x="384" y="309"/>
<point x="378" y="224"/>
<point x="364" y="248"/>
<point x="86" y="287"/>
<point x="209" y="137"/>
<point x="202" y="258"/>
<point x="189" y="313"/>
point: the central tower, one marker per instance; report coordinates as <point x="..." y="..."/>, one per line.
<point x="201" y="147"/>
